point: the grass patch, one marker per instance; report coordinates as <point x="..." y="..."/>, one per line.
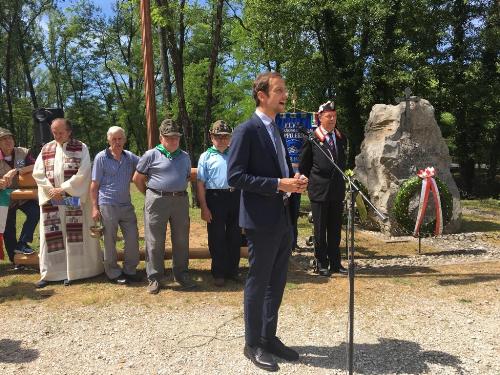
<point x="401" y="281"/>
<point x="489" y="203"/>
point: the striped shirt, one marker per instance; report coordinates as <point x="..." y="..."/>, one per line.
<point x="114" y="177"/>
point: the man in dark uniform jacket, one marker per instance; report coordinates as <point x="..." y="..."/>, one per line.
<point x="326" y="188"/>
<point x="260" y="166"/>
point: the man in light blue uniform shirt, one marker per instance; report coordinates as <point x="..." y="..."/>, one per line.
<point x="110" y="193"/>
<point x="162" y="175"/>
<point x="219" y="205"/>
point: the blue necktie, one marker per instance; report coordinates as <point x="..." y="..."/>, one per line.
<point x="279" y="150"/>
<point x="331" y="143"/>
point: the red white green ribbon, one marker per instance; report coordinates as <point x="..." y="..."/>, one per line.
<point x="428" y="184"/>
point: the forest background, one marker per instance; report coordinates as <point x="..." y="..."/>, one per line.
<point x="76" y="56"/>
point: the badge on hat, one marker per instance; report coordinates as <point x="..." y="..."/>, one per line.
<point x="168" y="128"/>
<point x="328" y="106"/>
<point x="220" y="127"/>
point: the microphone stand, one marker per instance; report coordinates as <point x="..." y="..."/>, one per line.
<point x="353" y="189"/>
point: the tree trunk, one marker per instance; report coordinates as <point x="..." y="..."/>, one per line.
<point x="216" y="39"/>
<point x="176" y="49"/>
<point x="165" y="70"/>
<point x="27" y="72"/>
<point x="463" y="140"/>
<point x="8" y="95"/>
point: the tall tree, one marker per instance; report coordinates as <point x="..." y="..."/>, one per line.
<point x="171" y="16"/>
<point x="214" y="54"/>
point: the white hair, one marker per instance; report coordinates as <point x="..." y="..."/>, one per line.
<point x="115" y="129"/>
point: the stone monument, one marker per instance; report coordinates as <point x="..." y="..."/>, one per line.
<point x="400" y="140"/>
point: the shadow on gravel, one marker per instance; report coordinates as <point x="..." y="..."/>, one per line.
<point x="469" y="279"/>
<point x="16" y="291"/>
<point x="11" y="352"/>
<point x="390" y="271"/>
<point x="389" y="356"/>
<point x="456" y="252"/>
<point x="473" y="225"/>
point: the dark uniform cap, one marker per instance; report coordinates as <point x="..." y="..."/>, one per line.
<point x="328" y="106"/>
<point x="168" y="127"/>
<point x="220" y="127"/>
<point x="5" y="132"/>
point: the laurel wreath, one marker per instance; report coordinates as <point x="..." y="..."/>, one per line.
<point x="407" y="191"/>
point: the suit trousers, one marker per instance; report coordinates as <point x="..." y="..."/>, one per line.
<point x="123" y="217"/>
<point x="268" y="254"/>
<point x="327" y="221"/>
<point x="158" y="211"/>
<point x="224" y="234"/>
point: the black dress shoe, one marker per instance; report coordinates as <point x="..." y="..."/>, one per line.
<point x="275" y="346"/>
<point x="135" y="278"/>
<point x="341" y="270"/>
<point x="41" y="284"/>
<point x="260" y="358"/>
<point x="321" y="269"/>
<point x="120" y="280"/>
<point x="237" y="278"/>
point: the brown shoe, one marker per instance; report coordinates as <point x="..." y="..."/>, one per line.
<point x="219" y="282"/>
<point x="153" y="287"/>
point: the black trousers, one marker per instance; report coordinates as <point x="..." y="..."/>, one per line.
<point x="327" y="220"/>
<point x="268" y="254"/>
<point x="295" y="207"/>
<point x="224" y="234"/>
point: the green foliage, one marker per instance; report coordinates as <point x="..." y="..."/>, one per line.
<point x="358" y="52"/>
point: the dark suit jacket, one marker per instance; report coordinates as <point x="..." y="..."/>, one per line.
<point x="253" y="167"/>
<point x="325" y="182"/>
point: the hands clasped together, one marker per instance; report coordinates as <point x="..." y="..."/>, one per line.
<point x="297" y="184"/>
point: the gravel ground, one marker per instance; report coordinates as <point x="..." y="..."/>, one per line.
<point x="404" y="325"/>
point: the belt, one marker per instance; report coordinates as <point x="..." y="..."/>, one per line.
<point x="230" y="190"/>
<point x="168" y="193"/>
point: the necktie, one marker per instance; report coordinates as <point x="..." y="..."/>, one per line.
<point x="331" y="143"/>
<point x="279" y="150"/>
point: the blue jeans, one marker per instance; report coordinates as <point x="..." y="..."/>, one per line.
<point x="32" y="211"/>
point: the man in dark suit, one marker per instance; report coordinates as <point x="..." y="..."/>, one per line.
<point x="326" y="188"/>
<point x="259" y="165"/>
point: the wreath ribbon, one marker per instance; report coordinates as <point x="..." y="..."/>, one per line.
<point x="428" y="184"/>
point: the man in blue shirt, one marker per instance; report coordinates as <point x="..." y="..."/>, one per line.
<point x="110" y="192"/>
<point x="162" y="175"/>
<point x="219" y="205"/>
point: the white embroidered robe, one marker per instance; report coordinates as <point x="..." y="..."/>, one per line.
<point x="77" y="260"/>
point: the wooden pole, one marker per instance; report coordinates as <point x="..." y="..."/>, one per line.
<point x="149" y="88"/>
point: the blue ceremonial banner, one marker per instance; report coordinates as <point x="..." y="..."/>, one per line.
<point x="289" y="123"/>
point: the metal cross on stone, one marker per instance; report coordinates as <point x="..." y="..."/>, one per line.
<point x="407" y="98"/>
